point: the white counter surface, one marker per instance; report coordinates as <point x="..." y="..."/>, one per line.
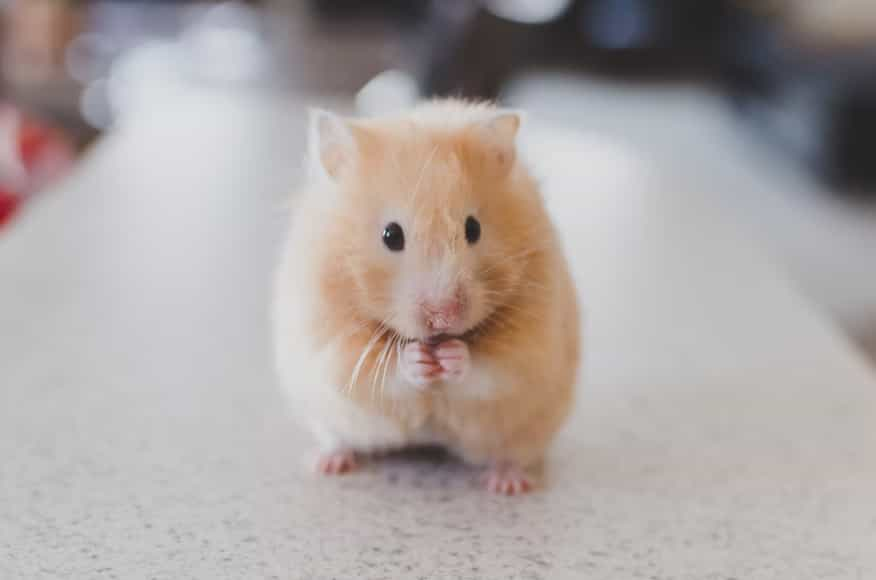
<point x="725" y="429"/>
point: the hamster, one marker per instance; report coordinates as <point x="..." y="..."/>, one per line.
<point x="422" y="296"/>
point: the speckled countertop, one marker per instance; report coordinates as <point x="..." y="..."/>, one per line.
<point x="725" y="429"/>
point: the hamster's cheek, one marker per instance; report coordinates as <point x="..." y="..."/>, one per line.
<point x="373" y="280"/>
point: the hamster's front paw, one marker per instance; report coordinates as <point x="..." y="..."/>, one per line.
<point x="454" y="359"/>
<point x="418" y="365"/>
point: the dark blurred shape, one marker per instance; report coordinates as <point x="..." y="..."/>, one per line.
<point x="619" y="25"/>
<point x="668" y="27"/>
<point x="816" y="99"/>
<point x="475" y="48"/>
<point x="399" y="9"/>
<point x="852" y="138"/>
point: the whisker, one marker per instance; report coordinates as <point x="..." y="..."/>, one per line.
<point x="383" y="357"/>
<point x="392" y="349"/>
<point x="375" y="371"/>
<point x="378" y="333"/>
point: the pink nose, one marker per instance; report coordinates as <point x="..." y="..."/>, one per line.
<point x="442" y="316"/>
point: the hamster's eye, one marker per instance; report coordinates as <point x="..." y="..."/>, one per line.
<point x="472" y="230"/>
<point x="394" y="237"/>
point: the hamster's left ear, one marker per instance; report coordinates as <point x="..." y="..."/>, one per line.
<point x="498" y="134"/>
<point x="331" y="142"/>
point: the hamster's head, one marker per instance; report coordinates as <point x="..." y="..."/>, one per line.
<point x="431" y="222"/>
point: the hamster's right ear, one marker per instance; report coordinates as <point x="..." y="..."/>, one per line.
<point x="332" y="146"/>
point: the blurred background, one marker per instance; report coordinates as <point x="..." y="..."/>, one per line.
<point x="770" y="106"/>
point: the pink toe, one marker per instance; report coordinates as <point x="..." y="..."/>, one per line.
<point x="508" y="482"/>
<point x="336" y="463"/>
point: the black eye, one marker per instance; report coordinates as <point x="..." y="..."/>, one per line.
<point x="394" y="237"/>
<point x="472" y="230"/>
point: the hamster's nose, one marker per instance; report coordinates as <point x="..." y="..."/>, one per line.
<point x="442" y="316"/>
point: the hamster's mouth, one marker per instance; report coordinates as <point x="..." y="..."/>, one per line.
<point x="439" y="338"/>
<point x="436" y="339"/>
<point x="468" y="335"/>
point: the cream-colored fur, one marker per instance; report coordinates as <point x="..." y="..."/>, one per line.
<point x="345" y="307"/>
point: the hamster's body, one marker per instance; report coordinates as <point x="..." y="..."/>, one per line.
<point x="423" y="297"/>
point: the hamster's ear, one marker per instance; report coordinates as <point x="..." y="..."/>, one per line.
<point x="498" y="135"/>
<point x="332" y="146"/>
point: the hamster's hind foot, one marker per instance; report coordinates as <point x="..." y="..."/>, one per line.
<point x="336" y="462"/>
<point x="508" y="480"/>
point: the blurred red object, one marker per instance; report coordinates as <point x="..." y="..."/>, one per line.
<point x="32" y="155"/>
<point x="8" y="205"/>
